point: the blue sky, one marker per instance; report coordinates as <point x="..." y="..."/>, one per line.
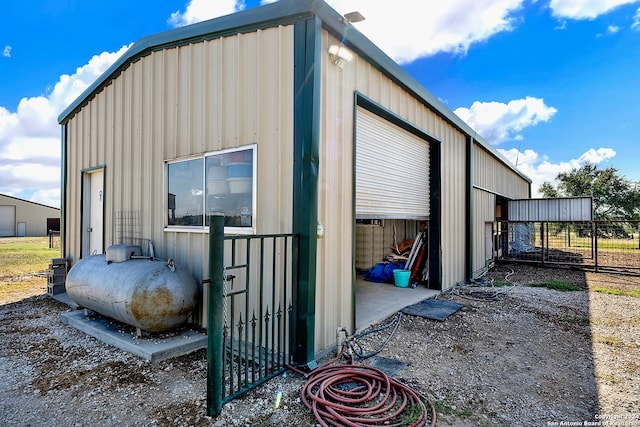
<point x="549" y="83"/>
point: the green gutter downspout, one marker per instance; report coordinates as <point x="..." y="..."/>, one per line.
<point x="468" y="229"/>
<point x="435" y="217"/>
<point x="306" y="135"/>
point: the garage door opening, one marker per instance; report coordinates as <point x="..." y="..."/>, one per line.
<point x="392" y="175"/>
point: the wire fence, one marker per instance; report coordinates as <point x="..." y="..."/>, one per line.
<point x="600" y="245"/>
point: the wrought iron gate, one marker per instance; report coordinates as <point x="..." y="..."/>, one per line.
<point x="250" y="311"/>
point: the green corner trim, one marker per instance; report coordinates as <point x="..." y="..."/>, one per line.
<point x="306" y="131"/>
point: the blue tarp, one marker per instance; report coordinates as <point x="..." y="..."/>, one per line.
<point x="382" y="272"/>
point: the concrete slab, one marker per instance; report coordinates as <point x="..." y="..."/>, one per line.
<point x="64" y="298"/>
<point x="152" y="347"/>
<point x="377" y="301"/>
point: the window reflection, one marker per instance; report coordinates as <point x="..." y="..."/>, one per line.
<point x="185" y="193"/>
<point x="230" y="186"/>
<point x="218" y="182"/>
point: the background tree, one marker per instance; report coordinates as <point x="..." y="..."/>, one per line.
<point x="614" y="197"/>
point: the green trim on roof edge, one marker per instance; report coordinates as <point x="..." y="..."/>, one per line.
<point x="283" y="12"/>
<point x="280" y="13"/>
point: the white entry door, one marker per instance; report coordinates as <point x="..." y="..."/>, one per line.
<point x="93" y="213"/>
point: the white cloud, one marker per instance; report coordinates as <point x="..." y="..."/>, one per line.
<point x="585" y="9"/>
<point x="636" y="20"/>
<point x="201" y="10"/>
<point x="597" y="156"/>
<point x="403" y="32"/>
<point x="540" y="169"/>
<point x="497" y="122"/>
<point x="562" y="25"/>
<point x="612" y="29"/>
<point x="7" y="51"/>
<point x="30" y="136"/>
<point x="406" y="32"/>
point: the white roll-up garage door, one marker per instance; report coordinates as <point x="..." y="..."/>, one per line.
<point x="7" y="221"/>
<point x="392" y="170"/>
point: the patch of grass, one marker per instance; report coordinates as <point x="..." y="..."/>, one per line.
<point x="24" y="256"/>
<point x="632" y="368"/>
<point x="576" y="320"/>
<point x="611" y="341"/>
<point x="411" y="414"/>
<point x="443" y="407"/>
<point x="21" y="261"/>
<point x="501" y="283"/>
<point x="635" y="293"/>
<point x="608" y="377"/>
<point x="558" y="285"/>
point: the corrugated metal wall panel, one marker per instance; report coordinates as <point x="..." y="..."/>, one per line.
<point x="179" y="102"/>
<point x="334" y="294"/>
<point x="334" y="298"/>
<point x="392" y="170"/>
<point x="560" y="209"/>
<point x="492" y="175"/>
<point x="453" y="182"/>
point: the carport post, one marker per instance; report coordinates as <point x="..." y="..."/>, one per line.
<point x="215" y="319"/>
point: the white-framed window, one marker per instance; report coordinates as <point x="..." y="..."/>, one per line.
<point x="221" y="181"/>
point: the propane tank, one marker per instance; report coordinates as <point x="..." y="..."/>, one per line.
<point x="149" y="294"/>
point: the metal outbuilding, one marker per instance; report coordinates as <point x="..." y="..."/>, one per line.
<point x="19" y="217"/>
<point x="289" y="120"/>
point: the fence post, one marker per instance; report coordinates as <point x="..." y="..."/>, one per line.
<point x="215" y="352"/>
<point x="595" y="245"/>
<point x="542" y="242"/>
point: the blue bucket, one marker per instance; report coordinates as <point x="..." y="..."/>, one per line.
<point x="401" y="278"/>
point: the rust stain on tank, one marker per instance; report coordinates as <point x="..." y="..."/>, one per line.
<point x="153" y="307"/>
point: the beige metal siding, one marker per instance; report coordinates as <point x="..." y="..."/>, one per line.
<point x="494" y="176"/>
<point x="453" y="203"/>
<point x="334" y="298"/>
<point x="182" y="101"/>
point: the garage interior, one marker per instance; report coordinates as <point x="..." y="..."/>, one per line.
<point x="377" y="242"/>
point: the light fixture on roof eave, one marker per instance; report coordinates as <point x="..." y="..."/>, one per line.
<point x="352" y="17"/>
<point x="340" y="55"/>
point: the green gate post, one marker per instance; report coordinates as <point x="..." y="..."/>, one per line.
<point x="215" y="352"/>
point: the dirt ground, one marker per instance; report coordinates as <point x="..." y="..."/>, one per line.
<point x="512" y="356"/>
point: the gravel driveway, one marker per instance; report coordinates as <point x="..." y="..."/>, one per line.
<point x="530" y="356"/>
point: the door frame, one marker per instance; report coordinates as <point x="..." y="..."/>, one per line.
<point x="85" y="208"/>
<point x="434" y="222"/>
